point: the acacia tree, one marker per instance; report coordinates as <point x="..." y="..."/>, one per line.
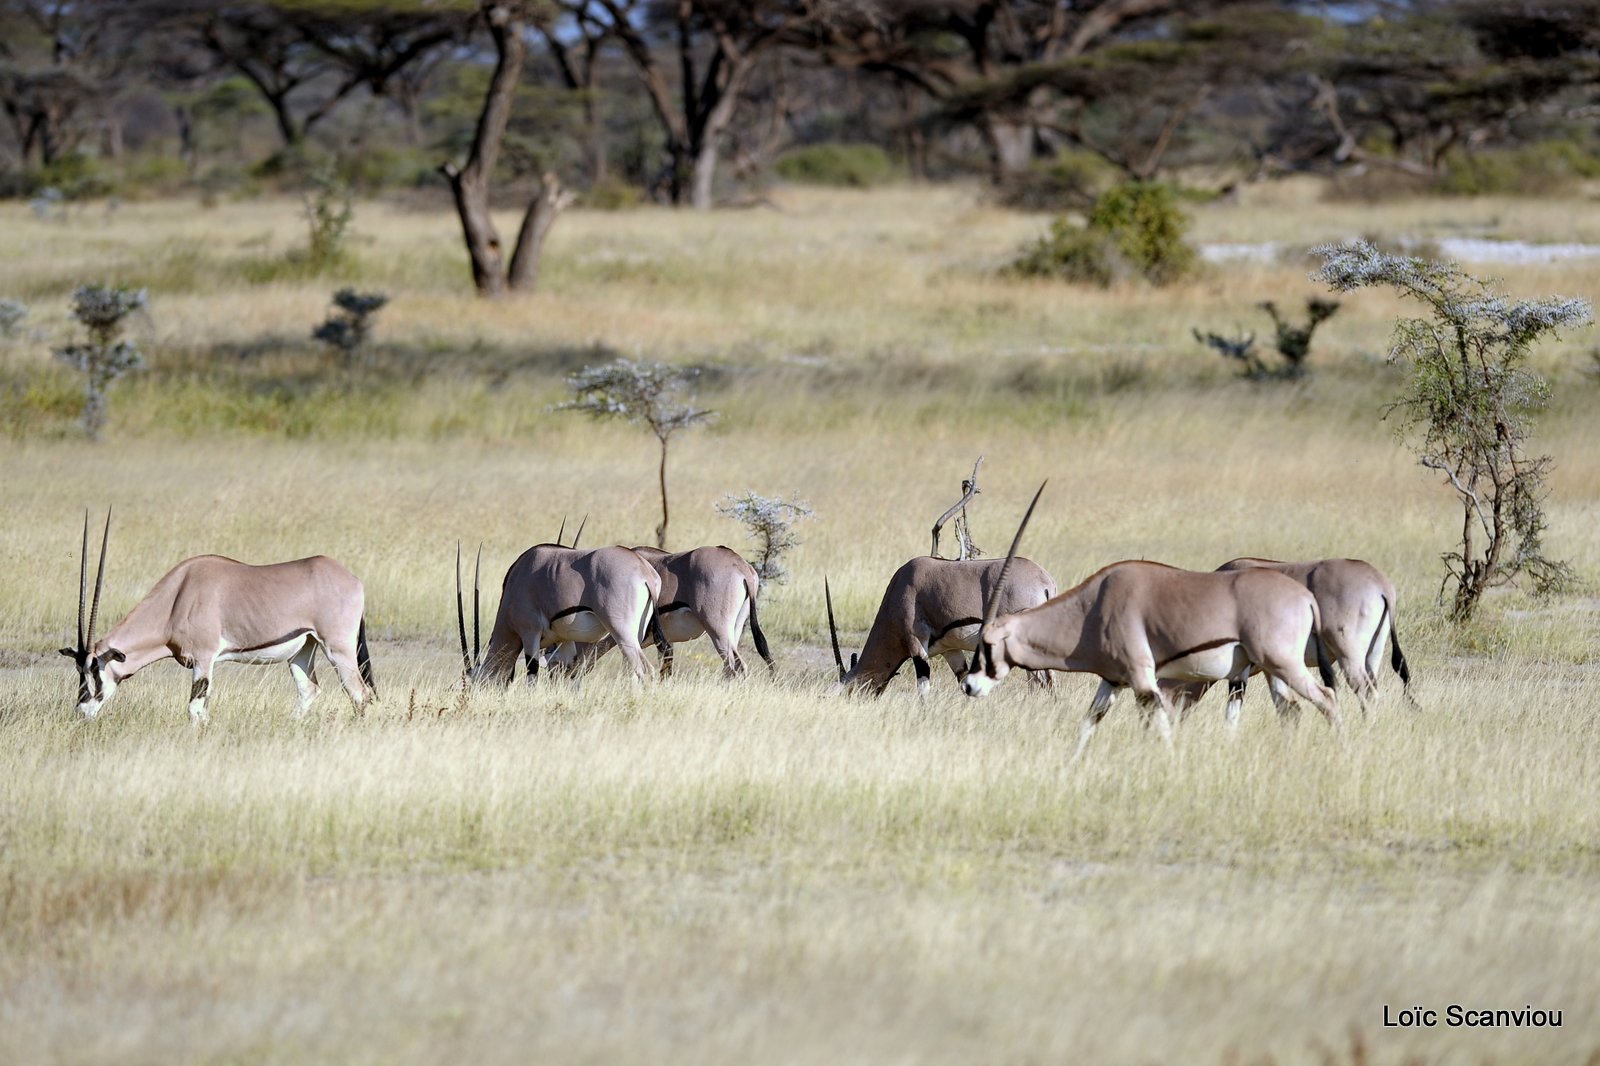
<point x="716" y="46"/>
<point x="653" y="395"/>
<point x="508" y="22"/>
<point x="1468" y="407"/>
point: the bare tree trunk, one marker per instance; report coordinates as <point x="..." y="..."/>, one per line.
<point x="661" y="530"/>
<point x="1010" y="147"/>
<point x="717" y="121"/>
<point x="551" y="200"/>
<point x="469" y="184"/>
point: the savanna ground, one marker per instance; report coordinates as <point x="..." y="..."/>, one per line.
<point x="702" y="872"/>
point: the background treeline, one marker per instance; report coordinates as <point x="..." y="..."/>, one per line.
<point x="700" y="101"/>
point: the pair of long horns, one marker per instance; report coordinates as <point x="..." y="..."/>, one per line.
<point x="576" y="536"/>
<point x="992" y="607"/>
<point x="86" y="637"/>
<point x="468" y="662"/>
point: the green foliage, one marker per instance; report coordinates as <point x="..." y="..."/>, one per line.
<point x="770" y="522"/>
<point x="12" y="314"/>
<point x="853" y="166"/>
<point x="106" y="356"/>
<point x="1469" y="408"/>
<point x="72" y="177"/>
<point x="1531" y="170"/>
<point x="655" y="395"/>
<point x="1070" y="252"/>
<point x="1145" y="221"/>
<point x="1293" y="342"/>
<point x="612" y="195"/>
<point x="1135" y="229"/>
<point x="1069" y="182"/>
<point x="328" y="211"/>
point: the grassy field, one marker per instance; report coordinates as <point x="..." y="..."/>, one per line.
<point x="701" y="872"/>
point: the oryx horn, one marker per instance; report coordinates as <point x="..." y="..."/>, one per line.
<point x="562" y="532"/>
<point x="86" y="636"/>
<point x="461" y="618"/>
<point x="477" y="616"/>
<point x="991" y="608"/>
<point x="83" y="579"/>
<point x="579" y="534"/>
<point x="833" y="630"/>
<point x="99" y="583"/>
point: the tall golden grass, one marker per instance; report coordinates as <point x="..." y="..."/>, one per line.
<point x="709" y="872"/>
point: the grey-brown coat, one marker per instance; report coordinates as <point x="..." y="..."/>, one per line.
<point x="933" y="607"/>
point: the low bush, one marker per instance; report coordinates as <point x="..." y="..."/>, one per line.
<point x="1133" y="230"/>
<point x="1069" y="182"/>
<point x="854" y="166"/>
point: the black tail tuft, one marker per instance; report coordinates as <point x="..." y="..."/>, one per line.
<point x="1397" y="658"/>
<point x="364" y="658"/>
<point x="759" y="637"/>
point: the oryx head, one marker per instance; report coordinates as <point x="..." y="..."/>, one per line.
<point x="847" y="678"/>
<point x="988" y="667"/>
<point x="472" y="663"/>
<point x="97" y="676"/>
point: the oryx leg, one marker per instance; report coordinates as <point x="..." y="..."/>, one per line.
<point x="1363" y="679"/>
<point x="957" y="663"/>
<point x="1183" y="695"/>
<point x="303" y="665"/>
<point x="924" y="671"/>
<point x="1152" y="701"/>
<point x="1104" y="697"/>
<point x="1045" y="679"/>
<point x="1236" y="686"/>
<point x="200" y="690"/>
<point x="342" y="654"/>
<point x="726" y="643"/>
<point x="1287" y="677"/>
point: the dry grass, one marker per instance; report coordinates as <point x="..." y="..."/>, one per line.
<point x="712" y="873"/>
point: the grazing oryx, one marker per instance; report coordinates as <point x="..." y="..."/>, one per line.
<point x="933" y="607"/>
<point x="1138" y="623"/>
<point x="553" y="595"/>
<point x="1357" y="603"/>
<point x="710" y="591"/>
<point x="210" y="609"/>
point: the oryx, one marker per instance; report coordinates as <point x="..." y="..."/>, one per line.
<point x="933" y="607"/>
<point x="209" y="609"/>
<point x="709" y="590"/>
<point x="1137" y="623"/>
<point x="553" y="595"/>
<point x="1357" y="604"/>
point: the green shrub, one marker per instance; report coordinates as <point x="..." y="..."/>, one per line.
<point x="1134" y="229"/>
<point x="854" y="166"/>
<point x="1071" y="253"/>
<point x="1531" y="170"/>
<point x="612" y="195"/>
<point x="1069" y="182"/>
<point x="1148" y="226"/>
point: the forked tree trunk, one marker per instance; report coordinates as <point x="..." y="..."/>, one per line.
<point x="470" y="183"/>
<point x="550" y="201"/>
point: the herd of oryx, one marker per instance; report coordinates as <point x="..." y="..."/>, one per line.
<point x="1166" y="633"/>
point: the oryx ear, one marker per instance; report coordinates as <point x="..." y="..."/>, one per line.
<point x="71" y="653"/>
<point x="114" y="656"/>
